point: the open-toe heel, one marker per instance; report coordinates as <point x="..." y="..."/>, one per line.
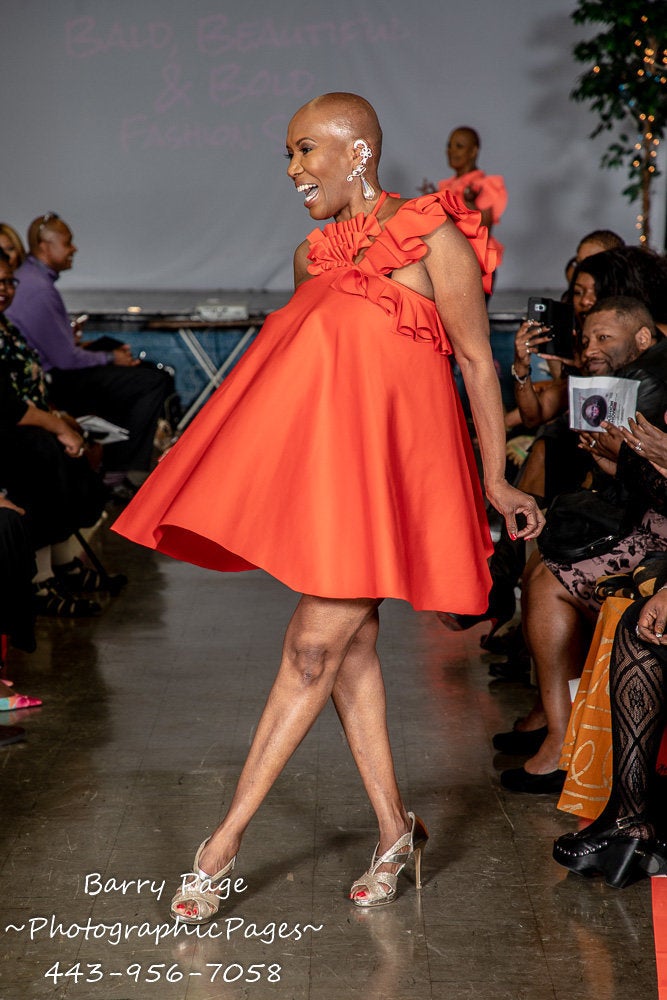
<point x="418" y="849"/>
<point x="376" y="888"/>
<point x="199" y="894"/>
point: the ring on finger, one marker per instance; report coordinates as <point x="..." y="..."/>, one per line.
<point x="637" y="631"/>
<point x="638" y="446"/>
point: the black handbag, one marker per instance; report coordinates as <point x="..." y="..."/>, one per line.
<point x="584" y="524"/>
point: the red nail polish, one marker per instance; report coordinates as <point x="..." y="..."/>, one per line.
<point x="513" y="537"/>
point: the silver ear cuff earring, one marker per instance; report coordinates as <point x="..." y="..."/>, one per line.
<point x="365" y="153"/>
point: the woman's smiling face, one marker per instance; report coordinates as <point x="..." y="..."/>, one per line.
<point x="321" y="157"/>
<point x="6" y="286"/>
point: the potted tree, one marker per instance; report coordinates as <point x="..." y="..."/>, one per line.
<point x="626" y="83"/>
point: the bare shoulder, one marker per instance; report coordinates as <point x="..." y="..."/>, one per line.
<point x="449" y="247"/>
<point x="301" y="263"/>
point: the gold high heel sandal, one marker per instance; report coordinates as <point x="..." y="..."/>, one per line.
<point x="376" y="888"/>
<point x="200" y="893"/>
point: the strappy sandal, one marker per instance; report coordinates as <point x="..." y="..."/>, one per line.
<point x="199" y="892"/>
<point x="376" y="888"/>
<point x="76" y="576"/>
<point x="52" y="598"/>
<point x="80" y="579"/>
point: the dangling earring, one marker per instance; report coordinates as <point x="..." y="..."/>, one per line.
<point x="365" y="153"/>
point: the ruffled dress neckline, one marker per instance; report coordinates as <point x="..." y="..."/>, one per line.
<point x="400" y="241"/>
<point x="346" y="239"/>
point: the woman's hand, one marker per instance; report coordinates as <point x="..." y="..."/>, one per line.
<point x="511" y="502"/>
<point x="71" y="441"/>
<point x="8" y="505"/>
<point x="653" y="619"/>
<point x="526" y="341"/>
<point x="648" y="441"/>
<point x="603" y="446"/>
<point x="606" y="442"/>
<point x="122" y="356"/>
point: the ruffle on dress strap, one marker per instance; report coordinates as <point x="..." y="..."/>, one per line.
<point x="340" y="242"/>
<point x="411" y="314"/>
<point x="401" y="240"/>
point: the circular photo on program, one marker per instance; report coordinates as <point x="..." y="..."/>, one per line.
<point x="594" y="410"/>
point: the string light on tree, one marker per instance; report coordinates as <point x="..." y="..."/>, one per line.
<point x="627" y="84"/>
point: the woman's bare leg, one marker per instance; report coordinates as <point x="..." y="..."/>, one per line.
<point x="316" y="643"/>
<point x="359" y="698"/>
<point x="557" y="633"/>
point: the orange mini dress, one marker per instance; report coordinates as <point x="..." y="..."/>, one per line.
<point x="335" y="456"/>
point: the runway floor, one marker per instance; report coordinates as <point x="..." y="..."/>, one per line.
<point x="148" y="713"/>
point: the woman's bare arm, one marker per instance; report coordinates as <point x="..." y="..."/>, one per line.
<point x="455" y="278"/>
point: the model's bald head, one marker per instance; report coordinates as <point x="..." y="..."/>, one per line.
<point x="350" y="114"/>
<point x="468" y="133"/>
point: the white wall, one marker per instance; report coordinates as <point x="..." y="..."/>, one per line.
<point x="156" y="127"/>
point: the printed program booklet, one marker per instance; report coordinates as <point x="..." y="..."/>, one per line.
<point x="103" y="430"/>
<point x="599" y="398"/>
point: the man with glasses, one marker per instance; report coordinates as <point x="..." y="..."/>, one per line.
<point x="111" y="384"/>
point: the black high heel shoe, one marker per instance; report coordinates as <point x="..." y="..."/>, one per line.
<point x="502" y="605"/>
<point x="620" y="858"/>
<point x="655" y="862"/>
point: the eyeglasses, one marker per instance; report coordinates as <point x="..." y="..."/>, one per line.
<point x="49" y="217"/>
<point x="9" y="282"/>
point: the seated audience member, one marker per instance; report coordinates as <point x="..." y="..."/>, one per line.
<point x="16" y="610"/>
<point x="553" y="463"/>
<point x="597" y="242"/>
<point x="43" y="468"/>
<point x="110" y="384"/>
<point x="539" y="402"/>
<point x="627" y="840"/>
<point x="631" y="271"/>
<point x="17" y="568"/>
<point x="12" y="245"/>
<point x="558" y="603"/>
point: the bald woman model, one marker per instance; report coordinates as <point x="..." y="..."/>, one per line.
<point x="348" y="471"/>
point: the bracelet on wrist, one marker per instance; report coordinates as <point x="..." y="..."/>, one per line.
<point x="521" y="379"/>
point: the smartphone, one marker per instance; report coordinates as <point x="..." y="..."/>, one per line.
<point x="559" y="317"/>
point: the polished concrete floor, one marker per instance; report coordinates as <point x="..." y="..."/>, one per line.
<point x="148" y="713"/>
